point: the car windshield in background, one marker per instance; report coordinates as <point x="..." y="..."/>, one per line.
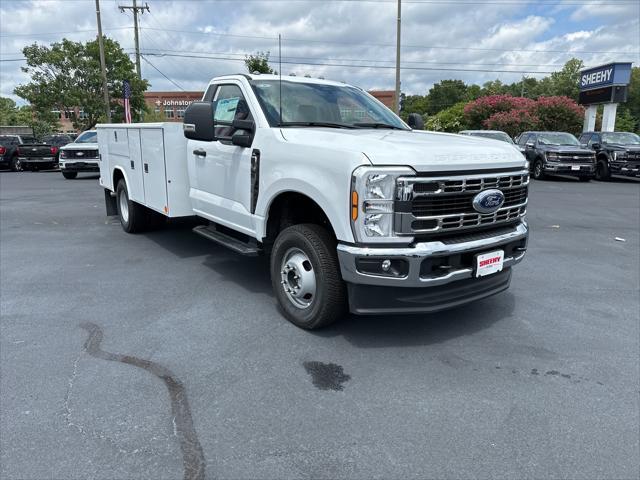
<point x="493" y="135"/>
<point x="56" y="140"/>
<point x="557" y="139"/>
<point x="622" y="138"/>
<point x="87" y="137"/>
<point x="322" y="105"/>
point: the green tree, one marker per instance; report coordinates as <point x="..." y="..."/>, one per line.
<point x="445" y="94"/>
<point x="151" y="115"/>
<point x="448" y="120"/>
<point x="258" y="63"/>
<point x="413" y="104"/>
<point x="67" y="75"/>
<point x="566" y="82"/>
<point x="630" y="110"/>
<point x="10" y="114"/>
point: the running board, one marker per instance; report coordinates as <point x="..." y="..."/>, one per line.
<point x="238" y="246"/>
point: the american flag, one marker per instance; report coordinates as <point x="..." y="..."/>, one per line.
<point x="126" y="87"/>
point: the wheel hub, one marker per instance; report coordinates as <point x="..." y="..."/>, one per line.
<point x="298" y="278"/>
<point x="124" y="206"/>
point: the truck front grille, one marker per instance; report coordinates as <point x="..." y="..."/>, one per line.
<point x="582" y="157"/>
<point x="435" y="205"/>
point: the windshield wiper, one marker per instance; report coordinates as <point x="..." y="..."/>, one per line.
<point x="376" y="125"/>
<point x="315" y="124"/>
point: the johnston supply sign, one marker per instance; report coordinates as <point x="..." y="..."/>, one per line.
<point x="605" y="84"/>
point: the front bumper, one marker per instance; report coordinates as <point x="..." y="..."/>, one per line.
<point x="74" y="166"/>
<point x="625" y="168"/>
<point x="431" y="266"/>
<point x="588" y="170"/>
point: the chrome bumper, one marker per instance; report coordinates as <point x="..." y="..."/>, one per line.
<point x="414" y="256"/>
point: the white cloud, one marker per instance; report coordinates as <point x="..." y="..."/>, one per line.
<point x="435" y="37"/>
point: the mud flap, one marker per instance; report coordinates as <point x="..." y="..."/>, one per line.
<point x="110" y="203"/>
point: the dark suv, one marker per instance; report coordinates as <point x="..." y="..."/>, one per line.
<point x="557" y="153"/>
<point x="617" y="153"/>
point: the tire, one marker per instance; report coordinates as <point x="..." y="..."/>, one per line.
<point x="15" y="164"/>
<point x="134" y="217"/>
<point x="538" y="170"/>
<point x="304" y="256"/>
<point x="69" y="175"/>
<point x="602" y="171"/>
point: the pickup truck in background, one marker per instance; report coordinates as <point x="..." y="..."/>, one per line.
<point x="557" y="153"/>
<point x="9" y="150"/>
<point x="80" y="156"/>
<point x="617" y="153"/>
<point x="492" y="134"/>
<point x="355" y="210"/>
<point x="42" y="155"/>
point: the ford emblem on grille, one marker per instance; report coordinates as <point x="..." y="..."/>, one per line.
<point x="488" y="201"/>
<point x="79" y="154"/>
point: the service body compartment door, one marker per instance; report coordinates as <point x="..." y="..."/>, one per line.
<point x="134" y="168"/>
<point x="153" y="168"/>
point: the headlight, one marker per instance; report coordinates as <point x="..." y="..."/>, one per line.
<point x="373" y="191"/>
<point x="619" y="156"/>
<point x="552" y="157"/>
<point x="63" y="154"/>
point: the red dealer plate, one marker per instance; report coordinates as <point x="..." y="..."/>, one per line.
<point x="488" y="263"/>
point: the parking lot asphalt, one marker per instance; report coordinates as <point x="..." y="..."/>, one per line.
<point x="162" y="355"/>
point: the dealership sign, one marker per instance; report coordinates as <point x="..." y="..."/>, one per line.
<point x="605" y="76"/>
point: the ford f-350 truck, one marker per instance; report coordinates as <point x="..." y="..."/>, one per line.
<point x="355" y="210"/>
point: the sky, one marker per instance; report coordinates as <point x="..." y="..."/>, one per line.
<point x="187" y="42"/>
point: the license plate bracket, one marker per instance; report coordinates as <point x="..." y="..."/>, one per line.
<point x="575" y="167"/>
<point x="489" y="263"/>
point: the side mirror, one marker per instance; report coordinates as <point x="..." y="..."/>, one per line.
<point x="530" y="145"/>
<point x="415" y="121"/>
<point x="242" y="138"/>
<point x="198" y="122"/>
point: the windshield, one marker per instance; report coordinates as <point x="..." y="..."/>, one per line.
<point x="87" y="137"/>
<point x="623" y="138"/>
<point x="557" y="138"/>
<point x="313" y="104"/>
<point x="493" y="135"/>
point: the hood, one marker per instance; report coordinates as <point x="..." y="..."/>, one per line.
<point x="565" y="148"/>
<point x="80" y="146"/>
<point x="620" y="146"/>
<point x="424" y="151"/>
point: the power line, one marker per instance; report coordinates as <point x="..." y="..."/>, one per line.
<point x="157" y="70"/>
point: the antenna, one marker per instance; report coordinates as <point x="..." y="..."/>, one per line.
<point x="280" y="73"/>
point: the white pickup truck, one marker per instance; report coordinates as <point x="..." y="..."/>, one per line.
<point x="354" y="208"/>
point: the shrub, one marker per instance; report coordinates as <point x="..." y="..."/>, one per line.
<point x="476" y="112"/>
<point x="449" y="120"/>
<point x="513" y="122"/>
<point x="559" y="113"/>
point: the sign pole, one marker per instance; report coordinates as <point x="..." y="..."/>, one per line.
<point x="103" y="66"/>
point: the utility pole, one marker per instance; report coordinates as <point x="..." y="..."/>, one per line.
<point x="396" y="101"/>
<point x="135" y="8"/>
<point x="103" y="66"/>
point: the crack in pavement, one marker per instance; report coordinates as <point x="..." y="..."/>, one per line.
<point x="192" y="455"/>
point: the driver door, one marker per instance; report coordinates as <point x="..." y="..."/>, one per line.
<point x="221" y="178"/>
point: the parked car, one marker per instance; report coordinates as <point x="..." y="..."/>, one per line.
<point x="42" y="155"/>
<point x="80" y="155"/>
<point x="492" y="134"/>
<point x="617" y="153"/>
<point x="353" y="208"/>
<point x="557" y="153"/>
<point x="9" y="150"/>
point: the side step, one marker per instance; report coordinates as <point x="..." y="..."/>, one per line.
<point x="209" y="232"/>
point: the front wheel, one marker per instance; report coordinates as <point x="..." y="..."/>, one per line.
<point x="602" y="171"/>
<point x="305" y="275"/>
<point x="16" y="165"/>
<point x="538" y="170"/>
<point x="69" y="175"/>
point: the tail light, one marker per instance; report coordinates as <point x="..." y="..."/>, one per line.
<point x="54" y="150"/>
<point x="2" y="150"/>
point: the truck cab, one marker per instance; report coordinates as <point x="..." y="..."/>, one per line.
<point x="617" y="153"/>
<point x="356" y="211"/>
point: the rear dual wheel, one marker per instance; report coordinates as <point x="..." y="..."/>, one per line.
<point x="134" y="217"/>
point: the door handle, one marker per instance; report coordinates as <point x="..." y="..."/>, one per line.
<point x="146" y="168"/>
<point x="200" y="153"/>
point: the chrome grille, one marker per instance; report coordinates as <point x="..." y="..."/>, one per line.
<point x="429" y="205"/>
<point x="576" y="157"/>
<point x="80" y="154"/>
